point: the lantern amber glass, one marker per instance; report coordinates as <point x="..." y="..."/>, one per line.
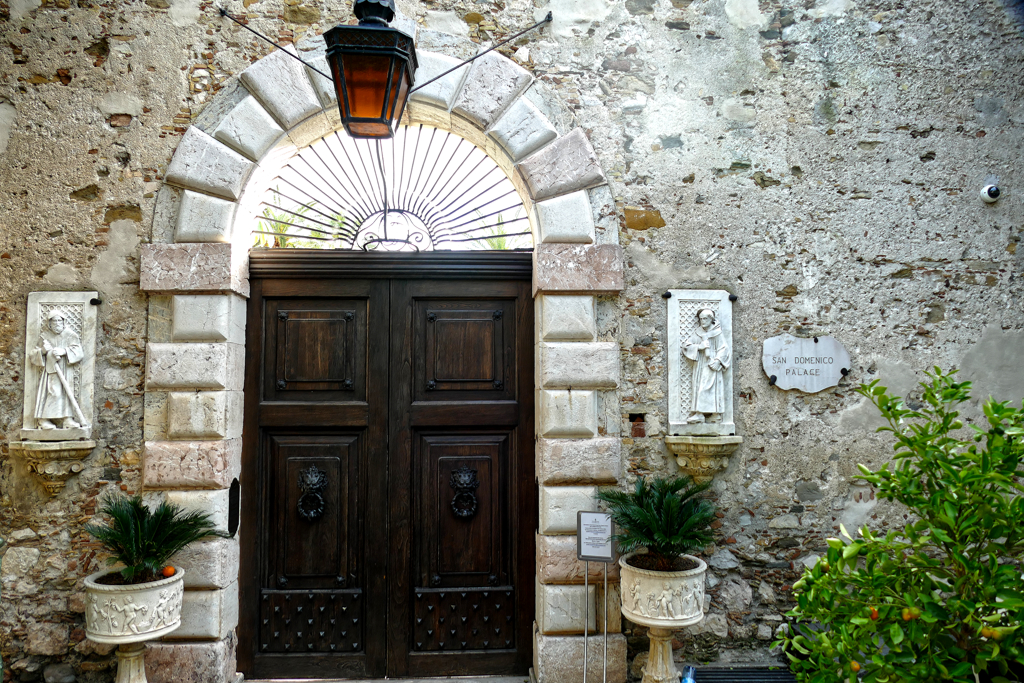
<point x="373" y="70"/>
<point x="366" y="79"/>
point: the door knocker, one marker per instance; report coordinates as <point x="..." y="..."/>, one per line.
<point x="312" y="482"/>
<point x="465" y="483"/>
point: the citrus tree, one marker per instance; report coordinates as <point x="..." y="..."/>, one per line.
<point x="941" y="599"/>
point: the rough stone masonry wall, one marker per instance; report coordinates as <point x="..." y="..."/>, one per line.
<point x="821" y="159"/>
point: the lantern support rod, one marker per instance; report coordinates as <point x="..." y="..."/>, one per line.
<point x="545" y="20"/>
<point x="224" y="13"/>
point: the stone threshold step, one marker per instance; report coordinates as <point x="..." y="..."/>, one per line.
<point x="453" y="679"/>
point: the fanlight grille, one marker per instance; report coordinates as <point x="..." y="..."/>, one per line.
<point x="422" y="190"/>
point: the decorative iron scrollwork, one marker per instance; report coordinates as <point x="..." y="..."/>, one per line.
<point x="465" y="483"/>
<point x="312" y="483"/>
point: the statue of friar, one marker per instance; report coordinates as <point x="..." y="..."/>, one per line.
<point x="709" y="350"/>
<point x="58" y="349"/>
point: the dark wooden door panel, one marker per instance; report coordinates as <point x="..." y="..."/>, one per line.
<point x="461" y="347"/>
<point x="315" y="350"/>
<point x="462" y="621"/>
<point x="312" y="622"/>
<point x="389" y="509"/>
<point x="462" y="508"/>
<point x="464" y="413"/>
<point x="317" y="510"/>
<point x="461" y="588"/>
<point x="313" y="585"/>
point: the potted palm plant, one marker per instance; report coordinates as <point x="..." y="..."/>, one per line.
<point x="142" y="599"/>
<point x="659" y="522"/>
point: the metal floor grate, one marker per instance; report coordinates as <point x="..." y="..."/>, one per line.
<point x="743" y="674"/>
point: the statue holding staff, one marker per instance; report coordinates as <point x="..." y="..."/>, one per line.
<point x="59" y="348"/>
<point x="711" y="356"/>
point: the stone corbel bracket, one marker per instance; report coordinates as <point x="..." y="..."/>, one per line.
<point x="701" y="457"/>
<point x="53" y="462"/>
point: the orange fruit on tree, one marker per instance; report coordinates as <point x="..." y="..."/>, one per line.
<point x="168" y="571"/>
<point x="854" y="666"/>
<point x="874" y="614"/>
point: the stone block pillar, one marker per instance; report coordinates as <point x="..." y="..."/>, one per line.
<point x="195" y="366"/>
<point x="576" y="451"/>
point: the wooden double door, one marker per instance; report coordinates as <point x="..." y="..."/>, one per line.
<point x="388" y="494"/>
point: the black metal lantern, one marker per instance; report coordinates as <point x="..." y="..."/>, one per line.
<point x="373" y="67"/>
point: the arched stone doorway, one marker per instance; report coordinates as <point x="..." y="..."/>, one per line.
<point x="197" y="271"/>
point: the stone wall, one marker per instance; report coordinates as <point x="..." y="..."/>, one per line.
<point x="820" y="159"/>
<point x="823" y="163"/>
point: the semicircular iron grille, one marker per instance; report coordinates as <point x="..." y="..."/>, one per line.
<point x="422" y="190"/>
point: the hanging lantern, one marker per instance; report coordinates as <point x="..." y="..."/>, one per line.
<point x="373" y="67"/>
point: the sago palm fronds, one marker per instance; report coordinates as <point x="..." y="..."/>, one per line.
<point x="143" y="540"/>
<point x="666" y="516"/>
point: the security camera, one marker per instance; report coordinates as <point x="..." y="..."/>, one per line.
<point x="990" y="193"/>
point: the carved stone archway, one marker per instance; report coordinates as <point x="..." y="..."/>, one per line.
<point x="196" y="271"/>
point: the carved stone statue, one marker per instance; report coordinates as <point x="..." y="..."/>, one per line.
<point x="60" y="368"/>
<point x="58" y="349"/>
<point x="700" y="363"/>
<point x="711" y="356"/>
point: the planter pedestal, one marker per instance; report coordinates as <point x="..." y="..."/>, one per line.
<point x="131" y="663"/>
<point x="659" y="668"/>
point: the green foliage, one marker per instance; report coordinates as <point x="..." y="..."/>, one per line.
<point x="943" y="598"/>
<point x="498" y="239"/>
<point x="280" y="229"/>
<point x="143" y="540"/>
<point x="666" y="516"/>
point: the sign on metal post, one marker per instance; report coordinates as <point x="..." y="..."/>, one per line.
<point x="594" y="537"/>
<point x="594" y="544"/>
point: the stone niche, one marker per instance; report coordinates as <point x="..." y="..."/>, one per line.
<point x="60" y="368"/>
<point x="702" y="431"/>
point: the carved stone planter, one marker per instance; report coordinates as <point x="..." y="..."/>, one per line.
<point x="702" y="457"/>
<point x="664" y="602"/>
<point x="129" y="615"/>
<point x="132" y="614"/>
<point x="53" y="462"/>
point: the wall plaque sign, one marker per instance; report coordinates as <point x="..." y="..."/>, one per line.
<point x="60" y="365"/>
<point x="700" y="362"/>
<point x="808" y="364"/>
<point x="594" y="537"/>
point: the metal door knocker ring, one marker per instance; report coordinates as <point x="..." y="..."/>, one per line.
<point x="465" y="483"/>
<point x="312" y="482"/>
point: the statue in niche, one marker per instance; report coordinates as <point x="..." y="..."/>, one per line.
<point x="58" y="349"/>
<point x="709" y="351"/>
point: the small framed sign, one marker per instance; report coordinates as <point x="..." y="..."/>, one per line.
<point x="594" y="537"/>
